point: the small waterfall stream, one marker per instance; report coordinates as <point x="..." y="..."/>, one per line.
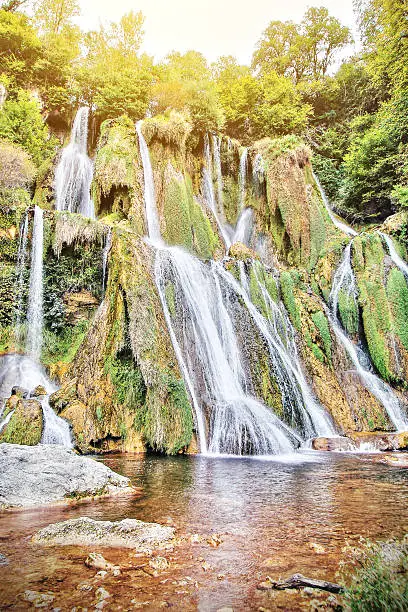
<point x="208" y="192"/>
<point x="35" y="295"/>
<point x="243" y="229"/>
<point x="105" y="254"/>
<point x="243" y="162"/>
<point x="339" y="224"/>
<point x="74" y="173"/>
<point x="202" y="330"/>
<point x="25" y="370"/>
<point x="20" y="271"/>
<point x="399" y="262"/>
<point x="344" y="280"/>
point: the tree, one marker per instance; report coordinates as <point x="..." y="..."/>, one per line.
<point x="301" y="51"/>
<point x="21" y="123"/>
<point x="20" y="49"/>
<point x="13" y="5"/>
<point x="53" y="16"/>
<point x="238" y="91"/>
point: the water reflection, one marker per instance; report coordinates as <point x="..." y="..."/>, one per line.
<point x="295" y="514"/>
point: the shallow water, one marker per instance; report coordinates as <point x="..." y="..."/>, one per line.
<point x="274" y="517"/>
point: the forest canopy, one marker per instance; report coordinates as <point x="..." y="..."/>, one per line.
<point x="355" y="118"/>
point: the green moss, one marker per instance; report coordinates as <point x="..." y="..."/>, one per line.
<point x="317" y="233"/>
<point x="348" y="311"/>
<point x="127" y="380"/>
<point x="287" y="289"/>
<point x="397" y="292"/>
<point x="63" y="346"/>
<point x="170" y="298"/>
<point x="24" y="427"/>
<point x="231" y="195"/>
<point x="185" y="222"/>
<point x="319" y="319"/>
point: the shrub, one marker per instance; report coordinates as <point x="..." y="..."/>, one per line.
<point x="16" y="167"/>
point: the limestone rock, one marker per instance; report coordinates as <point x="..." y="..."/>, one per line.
<point x="39" y="391"/>
<point x="79" y="306"/>
<point x="340" y="443"/>
<point x="84" y="531"/>
<point x="242" y="252"/>
<point x="50" y="474"/>
<point x="381" y="441"/>
<point x="20" y="392"/>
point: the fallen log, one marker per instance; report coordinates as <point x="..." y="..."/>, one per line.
<point x="297" y="581"/>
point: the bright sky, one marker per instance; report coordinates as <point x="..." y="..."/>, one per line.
<point x="214" y="27"/>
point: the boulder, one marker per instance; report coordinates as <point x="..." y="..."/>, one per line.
<point x="20" y="392"/>
<point x="35" y="476"/>
<point x="39" y="391"/>
<point x="26" y="424"/>
<point x="340" y="443"/>
<point x="242" y="252"/>
<point x="84" y="531"/>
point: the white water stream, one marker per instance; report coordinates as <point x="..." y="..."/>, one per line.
<point x="74" y="173"/>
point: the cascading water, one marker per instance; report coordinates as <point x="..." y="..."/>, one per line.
<point x="258" y="173"/>
<point x="344" y="280"/>
<point x="243" y="230"/>
<point x="35" y="294"/>
<point x="74" y="173"/>
<point x="20" y="271"/>
<point x="208" y="192"/>
<point x="153" y="222"/>
<point x="339" y="224"/>
<point x="23" y="371"/>
<point x="218" y="172"/>
<point x="243" y="163"/>
<point x="105" y="253"/>
<point x="399" y="262"/>
<point x="238" y="423"/>
<point x="205" y="341"/>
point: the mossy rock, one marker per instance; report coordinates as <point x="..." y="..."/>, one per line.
<point x="26" y="424"/>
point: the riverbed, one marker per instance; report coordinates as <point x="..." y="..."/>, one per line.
<point x="272" y="518"/>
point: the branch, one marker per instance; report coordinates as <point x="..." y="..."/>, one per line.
<point x="298" y="581"/>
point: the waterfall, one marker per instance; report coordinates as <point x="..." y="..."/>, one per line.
<point x="35" y="294"/>
<point x="211" y="360"/>
<point x="74" y="173"/>
<point x="153" y="222"/>
<point x="218" y="172"/>
<point x="243" y="228"/>
<point x="20" y="270"/>
<point x="242" y="177"/>
<point x="399" y="262"/>
<point x="23" y="371"/>
<point x="344" y="280"/>
<point x="302" y="409"/>
<point x="206" y="346"/>
<point x="258" y="172"/>
<point x="208" y="191"/>
<point x="105" y="253"/>
<point x="339" y="224"/>
<point x="6" y="420"/>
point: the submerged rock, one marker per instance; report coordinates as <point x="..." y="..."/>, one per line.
<point x="340" y="443"/>
<point x="34" y="476"/>
<point x="84" y="531"/>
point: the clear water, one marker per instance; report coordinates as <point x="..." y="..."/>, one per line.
<point x="243" y="169"/>
<point x="399" y="262"/>
<point x="336" y="221"/>
<point x="275" y="518"/>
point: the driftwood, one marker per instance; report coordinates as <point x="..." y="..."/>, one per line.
<point x="298" y="581"/>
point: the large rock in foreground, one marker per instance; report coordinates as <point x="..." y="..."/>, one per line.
<point x="34" y="476"/>
<point x="84" y="531"/>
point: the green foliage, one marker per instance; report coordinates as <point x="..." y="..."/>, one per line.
<point x="303" y="51"/>
<point x="348" y="311"/>
<point x="397" y="292"/>
<point x="288" y="296"/>
<point x="127" y="379"/>
<point x="21" y="122"/>
<point x="379" y="579"/>
<point x="319" y="319"/>
<point x="20" y="49"/>
<point x="63" y="346"/>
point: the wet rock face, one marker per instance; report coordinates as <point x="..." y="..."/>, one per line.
<point x="39" y="391"/>
<point x="79" y="306"/>
<point x="84" y="531"/>
<point x="50" y="474"/>
<point x="26" y="423"/>
<point x="19" y="392"/>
